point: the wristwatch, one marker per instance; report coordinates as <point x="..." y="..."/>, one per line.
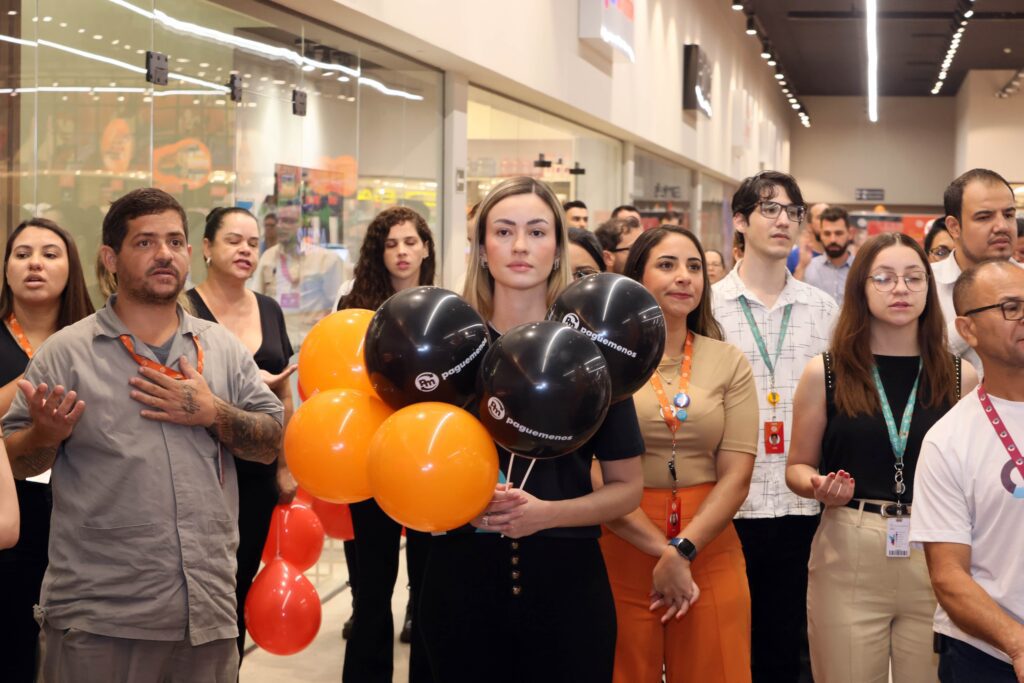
<point x="684" y="547"/>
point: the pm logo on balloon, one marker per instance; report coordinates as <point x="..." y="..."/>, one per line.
<point x="572" y="320"/>
<point x="427" y="381"/>
<point x="496" y="408"/>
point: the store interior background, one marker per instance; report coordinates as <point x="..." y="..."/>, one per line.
<point x="429" y="104"/>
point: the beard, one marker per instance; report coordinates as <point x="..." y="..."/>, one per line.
<point x="836" y="250"/>
<point x="142" y="291"/>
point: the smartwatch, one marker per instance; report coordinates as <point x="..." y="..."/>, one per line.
<point x="684" y="547"/>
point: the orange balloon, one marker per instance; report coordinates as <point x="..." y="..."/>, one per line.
<point x="327" y="443"/>
<point x="433" y="467"/>
<point x="331" y="356"/>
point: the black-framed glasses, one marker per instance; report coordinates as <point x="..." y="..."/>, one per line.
<point x="1013" y="309"/>
<point x="795" y="212"/>
<point x="886" y="282"/>
<point x="582" y="272"/>
<point x="941" y="251"/>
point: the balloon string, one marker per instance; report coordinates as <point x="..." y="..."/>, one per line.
<point x="528" y="470"/>
<point x="277" y="534"/>
<point x="508" y="470"/>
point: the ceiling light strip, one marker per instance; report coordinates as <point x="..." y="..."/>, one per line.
<point x="871" y="14"/>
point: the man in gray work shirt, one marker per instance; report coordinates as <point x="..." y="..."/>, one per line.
<point x="136" y="409"/>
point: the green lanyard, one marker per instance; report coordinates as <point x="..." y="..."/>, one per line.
<point x="769" y="362"/>
<point x="898" y="439"/>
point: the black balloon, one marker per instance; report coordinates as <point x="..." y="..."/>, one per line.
<point x="544" y="390"/>
<point x="625" y="322"/>
<point x="425" y="344"/>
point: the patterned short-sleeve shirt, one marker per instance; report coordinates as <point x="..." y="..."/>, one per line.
<point x="808" y="334"/>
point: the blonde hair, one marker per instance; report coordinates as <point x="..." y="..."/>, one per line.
<point x="479" y="289"/>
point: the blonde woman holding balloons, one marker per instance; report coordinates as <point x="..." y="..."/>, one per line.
<point x="522" y="593"/>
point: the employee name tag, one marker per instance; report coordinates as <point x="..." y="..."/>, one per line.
<point x="672" y="525"/>
<point x="897" y="537"/>
<point x="774" y="437"/>
<point x="289" y="300"/>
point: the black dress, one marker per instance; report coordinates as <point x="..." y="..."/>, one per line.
<point x="257" y="482"/>
<point x="860" y="445"/>
<point x="537" y="609"/>
<point x="22" y="567"/>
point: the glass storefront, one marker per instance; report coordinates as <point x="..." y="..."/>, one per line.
<point x="661" y="187"/>
<point x="80" y="125"/>
<point x="508" y="138"/>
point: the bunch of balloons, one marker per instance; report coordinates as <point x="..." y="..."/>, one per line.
<point x="406" y="404"/>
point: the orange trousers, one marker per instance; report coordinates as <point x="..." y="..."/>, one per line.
<point x="711" y="643"/>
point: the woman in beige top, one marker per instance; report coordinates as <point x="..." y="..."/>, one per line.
<point x="698" y="415"/>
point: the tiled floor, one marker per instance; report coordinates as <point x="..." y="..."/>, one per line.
<point x="321" y="661"/>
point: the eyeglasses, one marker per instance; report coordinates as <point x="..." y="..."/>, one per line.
<point x="886" y="282"/>
<point x="1013" y="309"/>
<point x="941" y="252"/>
<point x="795" y="212"/>
<point x="580" y="273"/>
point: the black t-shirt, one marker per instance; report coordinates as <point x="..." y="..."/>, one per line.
<point x="568" y="476"/>
<point x="273" y="355"/>
<point x="12" y="359"/>
<point x="860" y="445"/>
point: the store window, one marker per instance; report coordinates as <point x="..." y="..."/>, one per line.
<point x="715" y="229"/>
<point x="509" y="138"/>
<point x="81" y="126"/>
<point x="662" y="190"/>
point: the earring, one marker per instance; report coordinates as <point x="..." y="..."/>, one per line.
<point x="207" y="259"/>
<point x="483" y="264"/>
<point x="557" y="261"/>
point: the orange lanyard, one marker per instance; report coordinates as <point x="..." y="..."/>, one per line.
<point x="163" y="369"/>
<point x="19" y="335"/>
<point x="674" y="413"/>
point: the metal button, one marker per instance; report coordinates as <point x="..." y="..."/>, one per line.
<point x="515" y="560"/>
<point x="515" y="545"/>
<point x="516" y="590"/>
<point x="516" y="574"/>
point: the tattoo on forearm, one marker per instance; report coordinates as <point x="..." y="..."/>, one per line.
<point x="34" y="462"/>
<point x="189" y="403"/>
<point x="250" y="436"/>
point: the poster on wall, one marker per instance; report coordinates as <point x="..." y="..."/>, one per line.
<point x="696" y="80"/>
<point x="320" y="193"/>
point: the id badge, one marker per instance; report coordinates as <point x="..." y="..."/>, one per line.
<point x="672" y="519"/>
<point x="289" y="300"/>
<point x="774" y="437"/>
<point x="897" y="536"/>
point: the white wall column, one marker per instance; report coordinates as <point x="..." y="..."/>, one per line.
<point x="456" y="98"/>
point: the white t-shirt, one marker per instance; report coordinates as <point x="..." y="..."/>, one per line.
<point x="962" y="494"/>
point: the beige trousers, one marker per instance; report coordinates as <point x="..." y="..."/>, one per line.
<point x="866" y="611"/>
<point x="74" y="656"/>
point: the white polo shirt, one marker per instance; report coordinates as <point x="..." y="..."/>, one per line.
<point x="964" y="493"/>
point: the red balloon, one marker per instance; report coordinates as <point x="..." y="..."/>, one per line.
<point x="336" y="518"/>
<point x="282" y="612"/>
<point x="296" y="535"/>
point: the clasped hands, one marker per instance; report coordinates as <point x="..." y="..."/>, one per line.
<point x="673" y="585"/>
<point x="514" y="513"/>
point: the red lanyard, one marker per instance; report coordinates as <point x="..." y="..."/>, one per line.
<point x="163" y="369"/>
<point x="669" y="410"/>
<point x="19" y="335"/>
<point x="1016" y="457"/>
<point x="285" y="271"/>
